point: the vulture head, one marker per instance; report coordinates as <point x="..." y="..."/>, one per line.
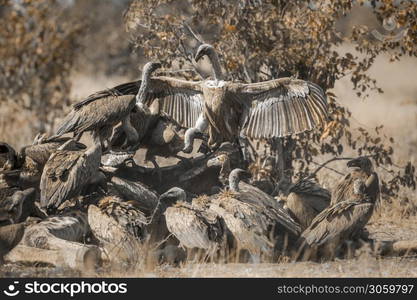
<point x="151" y="67"/>
<point x="362" y="163"/>
<point x="204" y="49"/>
<point x="235" y="177"/>
<point x="7" y="157"/>
<point x="218" y="161"/>
<point x="11" y="207"/>
<point x="173" y="195"/>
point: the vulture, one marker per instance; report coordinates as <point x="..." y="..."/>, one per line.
<point x="361" y="168"/>
<point x="103" y="110"/>
<point x="11" y="208"/>
<point x="127" y="214"/>
<point x="33" y="158"/>
<point x="338" y="223"/>
<point x="10" y="236"/>
<point x="67" y="172"/>
<point x="8" y="157"/>
<point x="269" y="109"/>
<point x="193" y="224"/>
<point x="258" y="226"/>
<point x="159" y="136"/>
<point x="306" y="199"/>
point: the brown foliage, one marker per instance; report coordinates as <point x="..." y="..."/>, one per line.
<point x="37" y="52"/>
<point x="263" y="39"/>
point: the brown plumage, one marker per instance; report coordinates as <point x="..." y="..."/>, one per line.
<point x="146" y="199"/>
<point x="127" y="214"/>
<point x="306" y="200"/>
<point x="257" y="223"/>
<point x="10" y="236"/>
<point x="339" y="222"/>
<point x="362" y="169"/>
<point x="103" y="110"/>
<point x="157" y="134"/>
<point x="72" y="226"/>
<point x="42" y="148"/>
<point x="165" y="140"/>
<point x="194" y="225"/>
<point x="6" y="191"/>
<point x="67" y="172"/>
<point x="11" y="207"/>
<point x="8" y="157"/>
<point x="268" y="109"/>
<point x="33" y="158"/>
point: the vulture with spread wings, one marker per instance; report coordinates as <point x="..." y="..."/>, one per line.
<point x="274" y="108"/>
<point x="225" y="109"/>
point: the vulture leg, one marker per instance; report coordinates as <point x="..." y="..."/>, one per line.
<point x="78" y="136"/>
<point x="193" y="132"/>
<point x="132" y="136"/>
<point x="184" y="161"/>
<point x="157" y="169"/>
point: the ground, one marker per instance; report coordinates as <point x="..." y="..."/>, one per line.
<point x="365" y="265"/>
<point x="396" y="109"/>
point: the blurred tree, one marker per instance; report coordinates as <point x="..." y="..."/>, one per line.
<point x="37" y="46"/>
<point x="106" y="47"/>
<point x="263" y="39"/>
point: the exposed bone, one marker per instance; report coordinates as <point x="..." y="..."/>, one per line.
<point x="78" y="256"/>
<point x="395" y="247"/>
<point x="58" y="241"/>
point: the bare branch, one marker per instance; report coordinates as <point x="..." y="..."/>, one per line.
<point x="324" y="166"/>
<point x="192" y="33"/>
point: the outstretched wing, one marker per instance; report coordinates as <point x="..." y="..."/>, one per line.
<point x="105" y="111"/>
<point x="281" y="107"/>
<point x="129" y="88"/>
<point x="182" y="100"/>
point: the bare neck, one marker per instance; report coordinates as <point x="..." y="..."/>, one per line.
<point x="215" y="63"/>
<point x="97" y="143"/>
<point x="234" y="180"/>
<point x="141" y="95"/>
<point x="225" y="169"/>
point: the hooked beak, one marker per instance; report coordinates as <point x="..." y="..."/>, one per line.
<point x="199" y="55"/>
<point x="246" y="175"/>
<point x="213" y="162"/>
<point x="354" y="163"/>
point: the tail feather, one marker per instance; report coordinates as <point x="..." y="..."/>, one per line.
<point x="67" y="125"/>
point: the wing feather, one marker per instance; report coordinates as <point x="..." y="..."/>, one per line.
<point x="181" y="100"/>
<point x="293" y="105"/>
<point x="129" y="88"/>
<point x="341" y="219"/>
<point x="64" y="175"/>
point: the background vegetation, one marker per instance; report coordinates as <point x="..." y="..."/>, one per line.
<point x="55" y="51"/>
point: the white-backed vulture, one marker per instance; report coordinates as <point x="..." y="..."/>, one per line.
<point x="256" y="224"/>
<point x="361" y="168"/>
<point x="103" y="110"/>
<point x="67" y="172"/>
<point x="11" y="207"/>
<point x="274" y="108"/>
<point x="306" y="200"/>
<point x="8" y="157"/>
<point x="127" y="214"/>
<point x="339" y="222"/>
<point x="195" y="226"/>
